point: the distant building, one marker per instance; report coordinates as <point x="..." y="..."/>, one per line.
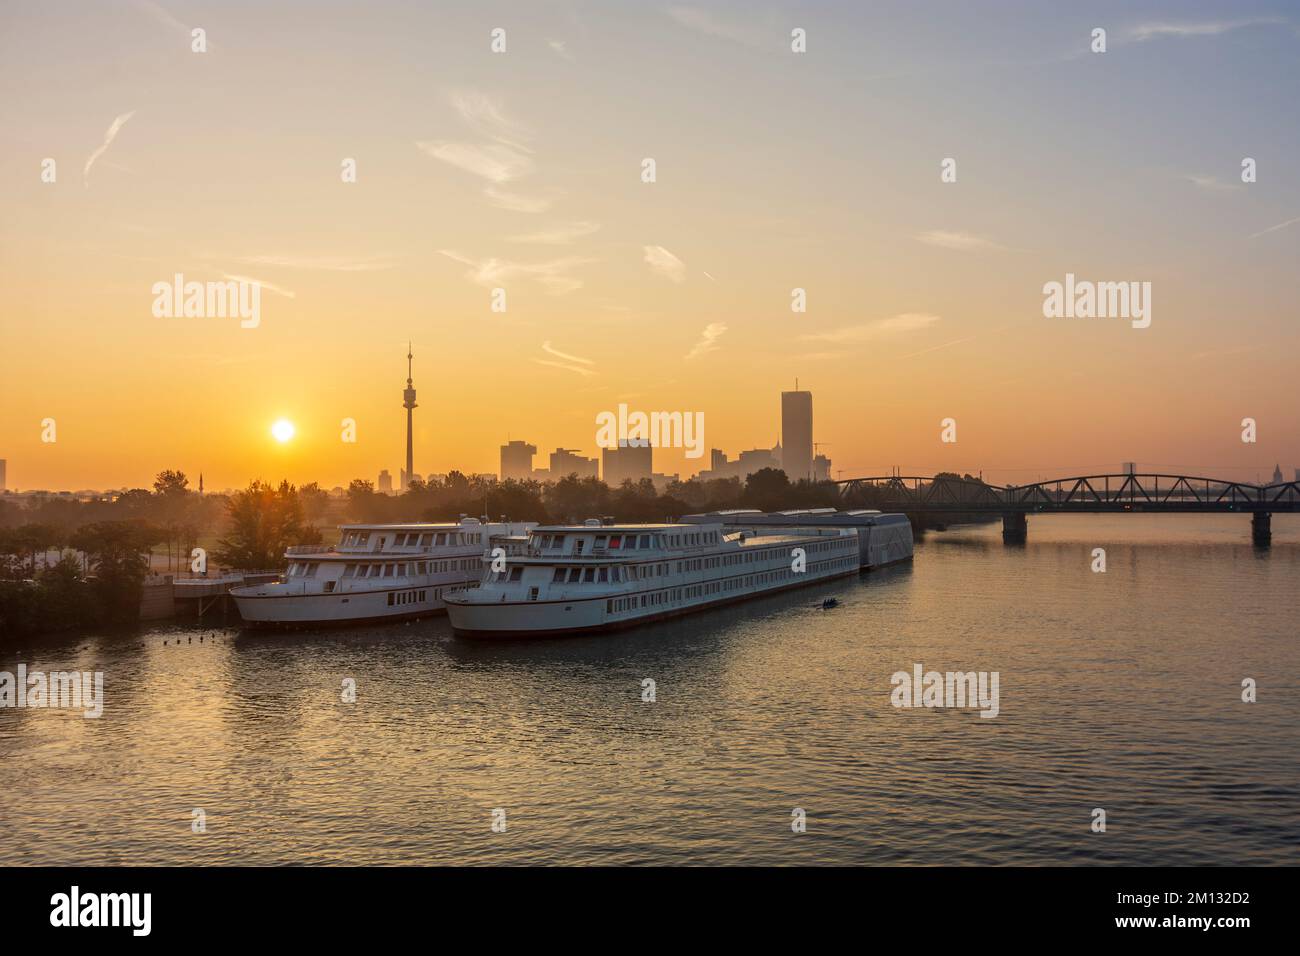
<point x="661" y="482"/>
<point x="797" y="434"/>
<point x="755" y="459"/>
<point x="629" y="461"/>
<point x="1277" y="474"/>
<point x="385" y="483"/>
<point x="567" y="461"/>
<point x="3" y="486"/>
<point x="821" y="468"/>
<point x="517" y="461"/>
<point x="408" y="402"/>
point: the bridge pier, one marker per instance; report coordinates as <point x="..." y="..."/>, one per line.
<point x="1261" y="529"/>
<point x="1015" y="527"/>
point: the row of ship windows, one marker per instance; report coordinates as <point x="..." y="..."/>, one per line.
<point x="616" y="605"/>
<point x="397" y="598"/>
<point x="299" y="569"/>
<point x="406" y="597"/>
<point x="631" y="542"/>
<point x="425" y="539"/>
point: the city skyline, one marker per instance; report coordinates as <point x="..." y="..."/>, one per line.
<point x="923" y="299"/>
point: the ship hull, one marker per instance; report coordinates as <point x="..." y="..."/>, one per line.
<point x="534" y="619"/>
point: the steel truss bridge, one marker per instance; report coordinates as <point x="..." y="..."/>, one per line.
<point x="1134" y="493"/>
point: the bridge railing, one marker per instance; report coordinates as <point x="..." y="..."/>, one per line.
<point x="1077" y="493"/>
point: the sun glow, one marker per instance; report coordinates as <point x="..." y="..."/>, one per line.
<point x="282" y="430"/>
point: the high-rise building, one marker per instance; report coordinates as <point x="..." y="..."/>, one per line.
<point x="797" y="434"/>
<point x="517" y="461"/>
<point x="1277" y="474"/>
<point x="3" y="486"/>
<point x="567" y="461"/>
<point x="821" y="468"/>
<point x="408" y="402"/>
<point x="385" y="483"/>
<point x="631" y="460"/>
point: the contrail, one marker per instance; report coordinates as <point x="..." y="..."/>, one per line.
<point x="108" y="141"/>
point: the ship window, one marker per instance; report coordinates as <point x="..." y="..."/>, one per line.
<point x="631" y="542"/>
<point x="422" y="596"/>
<point x="604" y="576"/>
<point x="600" y="541"/>
<point x="532" y="594"/>
<point x="615" y="541"/>
<point x="391" y="598"/>
<point x="574" y="575"/>
<point x="441" y="540"/>
<point x="349" y="570"/>
<point x="388" y="570"/>
<point x="364" y="539"/>
<point x="419" y="567"/>
<point x="558" y="577"/>
<point x="426" y="540"/>
<point x="401" y="570"/>
<point x="589" y="575"/>
<point x="516" y="574"/>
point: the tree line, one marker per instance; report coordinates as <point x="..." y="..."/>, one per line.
<point x="104" y="548"/>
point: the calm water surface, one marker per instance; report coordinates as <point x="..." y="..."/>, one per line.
<point x="1118" y="690"/>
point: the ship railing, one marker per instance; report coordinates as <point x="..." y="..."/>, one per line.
<point x="297" y="549"/>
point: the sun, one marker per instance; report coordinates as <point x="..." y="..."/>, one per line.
<point x="282" y="430"/>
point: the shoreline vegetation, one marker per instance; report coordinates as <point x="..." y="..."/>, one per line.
<point x="68" y="564"/>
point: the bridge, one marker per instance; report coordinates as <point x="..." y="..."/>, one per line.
<point x="1089" y="494"/>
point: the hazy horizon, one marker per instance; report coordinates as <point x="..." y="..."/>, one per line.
<point x="522" y="170"/>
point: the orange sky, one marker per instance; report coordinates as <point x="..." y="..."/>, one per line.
<point x="522" y="171"/>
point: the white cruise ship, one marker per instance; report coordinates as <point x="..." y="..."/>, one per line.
<point x="590" y="577"/>
<point x="377" y="572"/>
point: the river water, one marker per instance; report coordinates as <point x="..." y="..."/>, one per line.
<point x="1119" y="690"/>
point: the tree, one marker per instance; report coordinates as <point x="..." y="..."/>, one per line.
<point x="767" y="489"/>
<point x="264" y="521"/>
<point x="116" y="553"/>
<point x="170" y="482"/>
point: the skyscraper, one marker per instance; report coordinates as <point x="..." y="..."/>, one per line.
<point x="409" y="404"/>
<point x="517" y="461"/>
<point x="797" y="434"/>
<point x="567" y="461"/>
<point x="2" y="474"/>
<point x="631" y="460"/>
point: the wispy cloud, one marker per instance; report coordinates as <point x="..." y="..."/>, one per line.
<point x="263" y="284"/>
<point x="961" y="341"/>
<point x="546" y="347"/>
<point x="1210" y="183"/>
<point x="109" y="136"/>
<point x="501" y="156"/>
<point x="665" y="263"/>
<point x="321" y="263"/>
<point x="880" y="328"/>
<point x="1280" y="225"/>
<point x="559" y="235"/>
<point x="561" y="49"/>
<point x="1203" y="28"/>
<point x="964" y="241"/>
<point x="160" y="14"/>
<point x="708" y="340"/>
<point x="746" y="32"/>
<point x="552" y="275"/>
<point x="495" y="162"/>
<point x="487" y="116"/>
<point x="516" y="202"/>
<point x="576" y="369"/>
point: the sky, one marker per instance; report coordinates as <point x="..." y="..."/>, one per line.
<point x="522" y="170"/>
